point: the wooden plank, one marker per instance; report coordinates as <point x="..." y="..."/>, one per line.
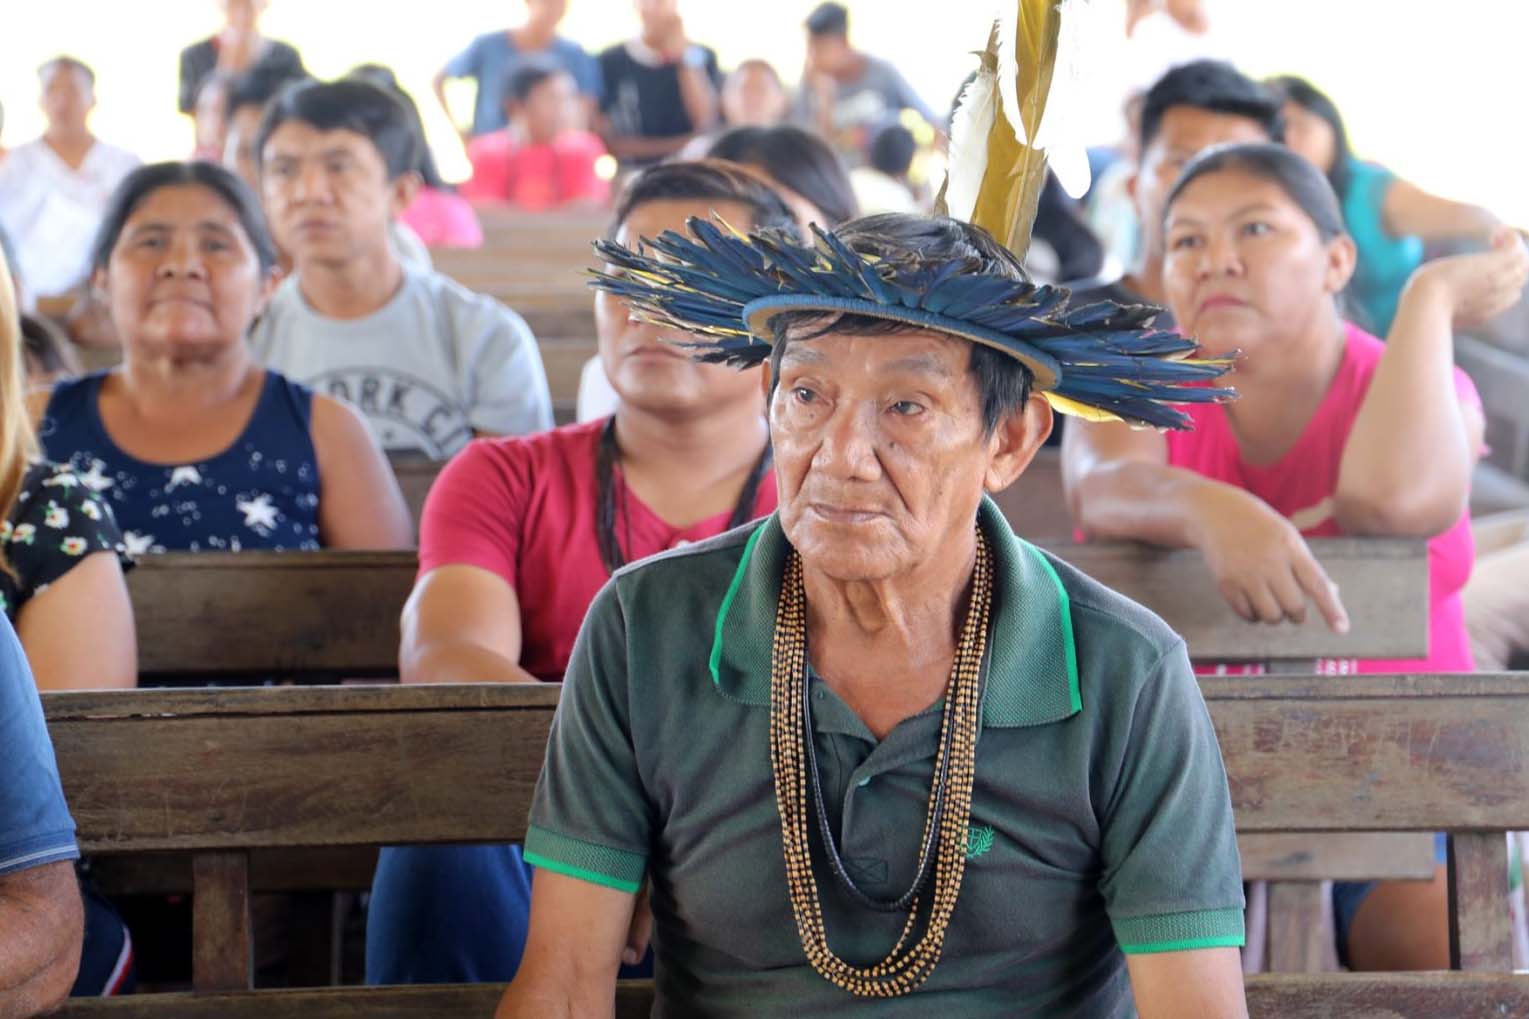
<point x="1375" y="753"/>
<point x="1480" y="933"/>
<point x="312" y="868"/>
<point x="1036" y="505"/>
<point x="1301" y="927"/>
<point x="1384" y="587"/>
<point x="411" y="764"/>
<point x="222" y="947"/>
<point x="1270" y="996"/>
<point x="263" y="613"/>
<point x="248" y="780"/>
<point x="1363" y="856"/>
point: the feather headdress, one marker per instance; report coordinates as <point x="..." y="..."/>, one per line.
<point x="1100" y="361"/>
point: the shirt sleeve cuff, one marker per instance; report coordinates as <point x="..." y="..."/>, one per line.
<point x="601" y="865"/>
<point x="1179" y="932"/>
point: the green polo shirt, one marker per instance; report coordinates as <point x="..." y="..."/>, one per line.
<point x="1101" y="822"/>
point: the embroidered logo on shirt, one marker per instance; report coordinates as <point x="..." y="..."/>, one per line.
<point x="979" y="839"/>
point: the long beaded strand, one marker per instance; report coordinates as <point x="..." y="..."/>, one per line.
<point x="903" y="969"/>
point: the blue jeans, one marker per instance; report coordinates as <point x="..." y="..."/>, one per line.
<point x="1347" y="895"/>
<point x="454" y="914"/>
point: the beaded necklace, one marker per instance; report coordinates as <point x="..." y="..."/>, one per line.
<point x="793" y="761"/>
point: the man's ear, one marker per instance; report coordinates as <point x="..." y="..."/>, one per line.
<point x="404" y="190"/>
<point x="766" y="383"/>
<point x="1015" y="442"/>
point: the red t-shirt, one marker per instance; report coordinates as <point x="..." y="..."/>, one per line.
<point x="1301" y="484"/>
<point x="535" y="177"/>
<point x="524" y="509"/>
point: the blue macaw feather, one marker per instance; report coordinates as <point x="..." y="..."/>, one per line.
<point x="1111" y="358"/>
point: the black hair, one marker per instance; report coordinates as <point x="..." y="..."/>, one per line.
<point x="346" y="105"/>
<point x="1308" y="97"/>
<point x="1003" y="381"/>
<point x="259" y="85"/>
<point x="528" y="74"/>
<point x="65" y="60"/>
<point x="46" y="346"/>
<point x="828" y="18"/>
<point x="144" y="181"/>
<point x="424" y="164"/>
<point x="707" y="180"/>
<point x="892" y="150"/>
<point x="796" y="159"/>
<point x="1214" y="86"/>
<point x="1305" y="185"/>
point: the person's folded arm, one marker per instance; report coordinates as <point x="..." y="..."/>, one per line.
<point x="1407" y="463"/>
<point x="461" y="624"/>
<point x="41" y="928"/>
<point x="361" y="504"/>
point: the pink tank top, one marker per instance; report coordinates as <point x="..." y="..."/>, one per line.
<point x="1301" y="485"/>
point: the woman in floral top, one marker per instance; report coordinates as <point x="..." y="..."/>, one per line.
<point x="61" y="555"/>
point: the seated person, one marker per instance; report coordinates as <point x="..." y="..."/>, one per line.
<point x="53" y="190"/>
<point x="1187" y="110"/>
<point x="519" y="535"/>
<point x="490" y="60"/>
<point x="192" y="443"/>
<point x="438" y="216"/>
<point x="848" y="95"/>
<point x="754" y="96"/>
<point x="41" y="920"/>
<point x="1391" y="220"/>
<point x="210" y="116"/>
<point x="61" y="555"/>
<point x="761" y="726"/>
<point x="238" y="48"/>
<point x="883" y="184"/>
<point x="800" y="167"/>
<point x="61" y="563"/>
<point x="1325" y="438"/>
<point x="660" y="89"/>
<point x="544" y="159"/>
<point x="429" y="362"/>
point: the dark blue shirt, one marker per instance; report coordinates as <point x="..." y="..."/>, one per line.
<point x="35" y="826"/>
<point x="262" y="492"/>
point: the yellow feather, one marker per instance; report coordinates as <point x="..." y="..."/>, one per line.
<point x="1022" y="48"/>
<point x="1073" y="408"/>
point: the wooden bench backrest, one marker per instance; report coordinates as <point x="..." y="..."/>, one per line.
<point x="237" y="770"/>
<point x="335" y="614"/>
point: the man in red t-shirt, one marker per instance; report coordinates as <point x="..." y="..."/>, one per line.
<point x="519" y="534"/>
<point x="545" y="158"/>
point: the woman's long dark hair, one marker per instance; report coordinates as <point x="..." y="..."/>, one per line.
<point x="1313" y="100"/>
<point x="795" y="159"/>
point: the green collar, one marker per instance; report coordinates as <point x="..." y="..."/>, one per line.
<point x="1032" y="659"/>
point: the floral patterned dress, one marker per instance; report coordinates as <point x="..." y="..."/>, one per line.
<point x="57" y="521"/>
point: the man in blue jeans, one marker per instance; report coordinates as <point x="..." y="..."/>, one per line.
<point x="41" y="919"/>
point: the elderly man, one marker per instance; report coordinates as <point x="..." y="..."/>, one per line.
<point x="877" y="756"/>
<point x="40" y="914"/>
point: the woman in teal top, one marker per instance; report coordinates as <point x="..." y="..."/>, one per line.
<point x="1390" y="219"/>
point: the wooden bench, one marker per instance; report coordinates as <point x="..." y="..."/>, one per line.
<point x="334" y="614"/>
<point x="239" y="771"/>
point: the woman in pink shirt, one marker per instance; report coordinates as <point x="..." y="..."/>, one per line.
<point x="1333" y="433"/>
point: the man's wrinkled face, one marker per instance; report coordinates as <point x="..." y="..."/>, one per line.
<point x="880" y="452"/>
